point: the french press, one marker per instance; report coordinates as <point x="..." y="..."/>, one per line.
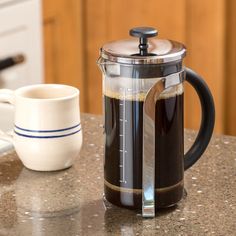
<point x="143" y="95"/>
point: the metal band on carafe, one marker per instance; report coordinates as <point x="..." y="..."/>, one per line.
<point x="148" y="180"/>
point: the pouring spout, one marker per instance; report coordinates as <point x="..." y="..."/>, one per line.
<point x="104" y="64"/>
<point x="100" y="61"/>
<point x="101" y="64"/>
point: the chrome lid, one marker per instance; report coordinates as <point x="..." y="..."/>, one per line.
<point x="142" y="50"/>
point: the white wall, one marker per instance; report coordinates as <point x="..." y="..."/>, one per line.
<point x="21" y="32"/>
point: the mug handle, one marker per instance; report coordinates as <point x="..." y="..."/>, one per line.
<point x="6" y="96"/>
<point x="207" y="120"/>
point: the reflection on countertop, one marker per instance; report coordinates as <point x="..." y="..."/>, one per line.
<point x="70" y="202"/>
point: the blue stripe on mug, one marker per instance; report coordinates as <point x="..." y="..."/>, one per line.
<point x="47" y="137"/>
<point x="47" y="131"/>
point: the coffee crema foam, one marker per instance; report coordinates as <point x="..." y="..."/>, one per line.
<point x="169" y="93"/>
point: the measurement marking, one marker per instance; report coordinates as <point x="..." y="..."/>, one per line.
<point x="123" y="151"/>
<point x="123" y="161"/>
<point x="123" y="120"/>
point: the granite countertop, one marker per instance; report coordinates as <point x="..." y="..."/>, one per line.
<point x="70" y="202"/>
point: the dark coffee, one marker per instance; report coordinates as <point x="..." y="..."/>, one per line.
<point x="123" y="150"/>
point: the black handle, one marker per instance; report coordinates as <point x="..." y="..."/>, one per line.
<point x="11" y="61"/>
<point x="143" y="33"/>
<point x="207" y="121"/>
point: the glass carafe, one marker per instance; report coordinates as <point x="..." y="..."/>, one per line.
<point x="143" y="94"/>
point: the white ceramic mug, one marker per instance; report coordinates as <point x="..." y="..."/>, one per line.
<point x="47" y="133"/>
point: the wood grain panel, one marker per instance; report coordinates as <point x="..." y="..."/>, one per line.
<point x="63" y="40"/>
<point x="167" y="16"/>
<point x="111" y="20"/>
<point x="205" y="43"/>
<point x="51" y="72"/>
<point x="230" y="75"/>
<point x="96" y="34"/>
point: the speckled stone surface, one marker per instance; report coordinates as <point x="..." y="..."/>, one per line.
<point x="70" y="202"/>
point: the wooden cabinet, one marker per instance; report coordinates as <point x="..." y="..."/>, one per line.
<point x="74" y="30"/>
<point x="62" y="25"/>
<point x="230" y="69"/>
